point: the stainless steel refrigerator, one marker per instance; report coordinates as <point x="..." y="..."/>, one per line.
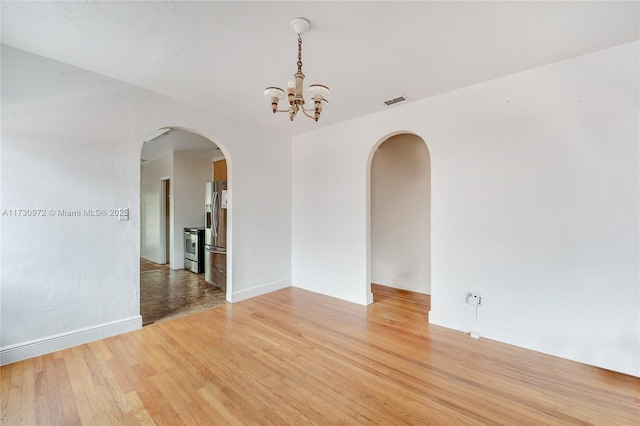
<point x="215" y="234"/>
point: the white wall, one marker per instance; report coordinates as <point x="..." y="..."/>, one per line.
<point x="151" y="174"/>
<point x="400" y="214"/>
<point x="535" y="194"/>
<point x="67" y="280"/>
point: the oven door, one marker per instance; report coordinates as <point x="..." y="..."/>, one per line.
<point x="192" y="266"/>
<point x="191" y="246"/>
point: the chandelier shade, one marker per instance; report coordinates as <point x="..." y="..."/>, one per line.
<point x="319" y="92"/>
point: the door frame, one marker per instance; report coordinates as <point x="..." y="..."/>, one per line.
<point x="165" y="234"/>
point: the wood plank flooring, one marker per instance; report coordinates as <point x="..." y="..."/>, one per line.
<point x="296" y="357"/>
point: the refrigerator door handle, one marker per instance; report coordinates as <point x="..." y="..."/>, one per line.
<point x="214" y="214"/>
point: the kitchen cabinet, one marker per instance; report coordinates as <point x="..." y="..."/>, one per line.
<point x="219" y="170"/>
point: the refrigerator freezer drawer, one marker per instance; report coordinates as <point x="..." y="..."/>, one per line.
<point x="215" y="269"/>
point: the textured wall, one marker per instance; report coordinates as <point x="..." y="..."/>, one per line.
<point x="535" y="205"/>
<point x="72" y="139"/>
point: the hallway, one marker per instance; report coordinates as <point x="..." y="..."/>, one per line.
<point x="167" y="294"/>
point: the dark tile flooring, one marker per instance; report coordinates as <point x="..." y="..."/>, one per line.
<point x="167" y="294"/>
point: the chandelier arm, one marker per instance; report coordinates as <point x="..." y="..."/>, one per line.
<point x="310" y="116"/>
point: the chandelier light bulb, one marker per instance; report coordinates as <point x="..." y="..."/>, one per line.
<point x="275" y="94"/>
<point x="319" y="89"/>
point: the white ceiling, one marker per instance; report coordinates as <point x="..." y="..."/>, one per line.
<point x="221" y="55"/>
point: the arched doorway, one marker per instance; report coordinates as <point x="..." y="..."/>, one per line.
<point x="399" y="214"/>
<point x="176" y="166"/>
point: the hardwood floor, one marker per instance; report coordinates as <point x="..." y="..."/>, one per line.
<point x="296" y="357"/>
<point x="166" y="293"/>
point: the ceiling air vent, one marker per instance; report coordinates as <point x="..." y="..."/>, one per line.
<point x="395" y="100"/>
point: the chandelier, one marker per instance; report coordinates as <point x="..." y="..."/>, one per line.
<point x="294" y="88"/>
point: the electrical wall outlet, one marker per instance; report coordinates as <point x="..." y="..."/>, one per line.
<point x="474" y="298"/>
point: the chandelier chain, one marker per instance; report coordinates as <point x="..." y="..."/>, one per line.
<point x="299" y="53"/>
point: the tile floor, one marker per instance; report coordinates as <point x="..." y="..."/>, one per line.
<point x="167" y="293"/>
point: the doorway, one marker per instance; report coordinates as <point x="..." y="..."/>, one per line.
<point x="176" y="166"/>
<point x="400" y="210"/>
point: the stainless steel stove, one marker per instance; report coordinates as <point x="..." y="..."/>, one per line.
<point x="194" y="250"/>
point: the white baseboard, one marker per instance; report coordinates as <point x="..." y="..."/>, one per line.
<point x="417" y="287"/>
<point x="45" y="345"/>
<point x="562" y="349"/>
<point x="364" y="301"/>
<point x="258" y="291"/>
